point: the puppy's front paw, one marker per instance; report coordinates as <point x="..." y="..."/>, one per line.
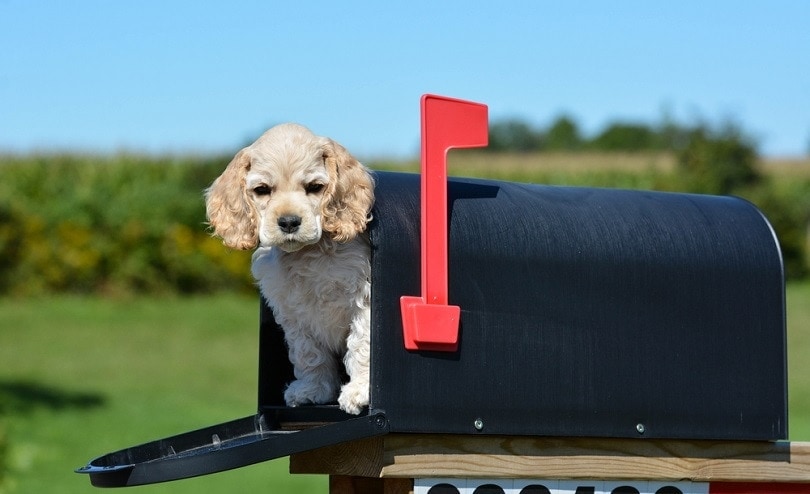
<point x="353" y="397"/>
<point x="302" y="392"/>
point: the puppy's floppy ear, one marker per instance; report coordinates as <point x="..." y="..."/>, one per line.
<point x="230" y="210"/>
<point x="349" y="196"/>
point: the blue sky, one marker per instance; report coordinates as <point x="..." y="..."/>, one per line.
<point x="191" y="76"/>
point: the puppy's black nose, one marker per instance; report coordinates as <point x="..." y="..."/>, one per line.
<point x="289" y="224"/>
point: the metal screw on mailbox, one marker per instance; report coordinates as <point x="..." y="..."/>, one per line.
<point x="479" y="424"/>
<point x="640" y="428"/>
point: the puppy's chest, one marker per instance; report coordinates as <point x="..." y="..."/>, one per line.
<point x="323" y="283"/>
<point x="317" y="290"/>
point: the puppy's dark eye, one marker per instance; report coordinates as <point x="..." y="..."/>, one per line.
<point x="314" y="187"/>
<point x="262" y="190"/>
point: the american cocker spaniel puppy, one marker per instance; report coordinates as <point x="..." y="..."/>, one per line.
<point x="304" y="202"/>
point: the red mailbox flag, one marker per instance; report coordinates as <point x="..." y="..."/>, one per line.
<point x="428" y="322"/>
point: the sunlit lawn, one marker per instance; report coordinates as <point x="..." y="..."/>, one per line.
<point x="87" y="376"/>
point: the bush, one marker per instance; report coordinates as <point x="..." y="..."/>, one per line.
<point x="626" y="137"/>
<point x="513" y="135"/>
<point x="11" y="239"/>
<point x="563" y="135"/>
<point x="120" y="224"/>
<point x="787" y="207"/>
<point x="718" y="162"/>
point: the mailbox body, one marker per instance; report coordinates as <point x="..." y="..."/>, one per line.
<point x="584" y="312"/>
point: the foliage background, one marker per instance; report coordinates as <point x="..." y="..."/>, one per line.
<point x="111" y="225"/>
<point x="127" y="223"/>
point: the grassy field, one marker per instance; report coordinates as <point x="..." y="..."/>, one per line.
<point x="80" y="377"/>
<point x="84" y="376"/>
<point x="798" y="317"/>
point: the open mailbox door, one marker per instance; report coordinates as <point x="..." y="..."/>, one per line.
<point x="226" y="446"/>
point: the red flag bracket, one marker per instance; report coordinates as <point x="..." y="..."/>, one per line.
<point x="428" y="321"/>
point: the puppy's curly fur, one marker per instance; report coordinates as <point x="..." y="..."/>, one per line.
<point x="304" y="202"/>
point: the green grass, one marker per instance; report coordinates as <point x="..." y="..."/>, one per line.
<point x="798" y="318"/>
<point x="80" y="377"/>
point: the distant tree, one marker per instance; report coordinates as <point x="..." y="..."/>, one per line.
<point x="626" y="137"/>
<point x="671" y="135"/>
<point x="563" y="135"/>
<point x="514" y="135"/>
<point x="718" y="162"/>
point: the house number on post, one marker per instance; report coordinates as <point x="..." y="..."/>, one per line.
<point x="544" y="486"/>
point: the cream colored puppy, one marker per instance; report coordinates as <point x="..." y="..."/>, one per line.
<point x="304" y="202"/>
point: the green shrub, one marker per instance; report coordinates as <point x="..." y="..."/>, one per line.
<point x="718" y="162"/>
<point x="626" y="137"/>
<point x="787" y="207"/>
<point x="11" y="238"/>
<point x="111" y="224"/>
<point x="514" y="135"/>
<point x="563" y="135"/>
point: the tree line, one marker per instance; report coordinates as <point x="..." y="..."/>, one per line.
<point x="565" y="135"/>
<point x="714" y="159"/>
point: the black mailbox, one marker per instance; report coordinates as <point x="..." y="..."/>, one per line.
<point x="584" y="312"/>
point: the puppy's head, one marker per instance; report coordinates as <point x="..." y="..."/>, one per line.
<point x="287" y="189"/>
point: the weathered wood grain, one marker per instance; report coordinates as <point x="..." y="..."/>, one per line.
<point x="426" y="455"/>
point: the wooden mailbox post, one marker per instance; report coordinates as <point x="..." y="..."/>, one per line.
<point x="391" y="463"/>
